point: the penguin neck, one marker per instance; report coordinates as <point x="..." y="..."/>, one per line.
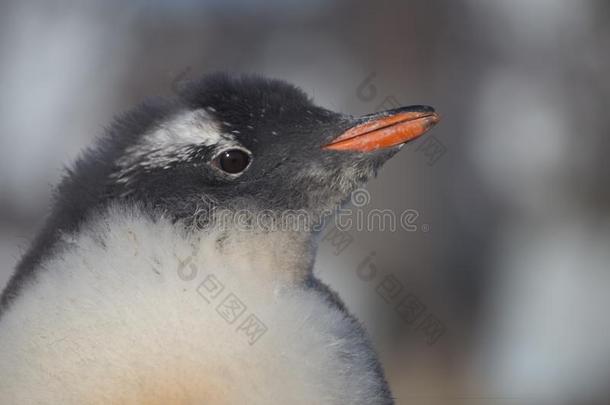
<point x="279" y="256"/>
<point x="277" y="245"/>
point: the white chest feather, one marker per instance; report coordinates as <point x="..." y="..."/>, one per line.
<point x="133" y="312"/>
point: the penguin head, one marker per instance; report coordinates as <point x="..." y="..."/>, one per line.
<point x="256" y="144"/>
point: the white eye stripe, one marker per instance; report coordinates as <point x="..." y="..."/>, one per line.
<point x="173" y="142"/>
<point x="193" y="127"/>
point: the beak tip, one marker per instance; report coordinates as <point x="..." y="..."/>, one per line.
<point x="434" y="119"/>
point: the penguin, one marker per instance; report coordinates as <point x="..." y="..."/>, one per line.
<point x="155" y="279"/>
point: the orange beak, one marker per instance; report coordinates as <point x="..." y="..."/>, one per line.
<point x="386" y="129"/>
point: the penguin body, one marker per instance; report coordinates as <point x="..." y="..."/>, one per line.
<point x="114" y="318"/>
<point x="141" y="289"/>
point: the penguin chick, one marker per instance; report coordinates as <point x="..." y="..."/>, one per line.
<point x="155" y="280"/>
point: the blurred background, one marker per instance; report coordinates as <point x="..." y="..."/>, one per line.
<point x="498" y="293"/>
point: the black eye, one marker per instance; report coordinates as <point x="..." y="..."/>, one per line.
<point x="233" y="161"/>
